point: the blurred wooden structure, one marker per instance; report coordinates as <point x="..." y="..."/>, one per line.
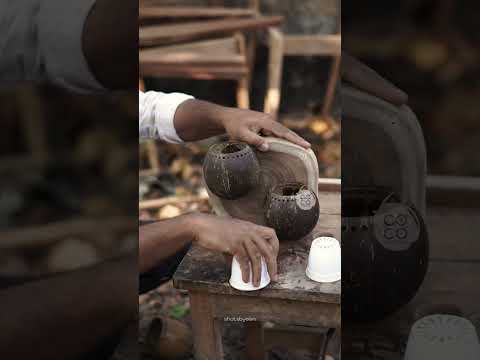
<point x="281" y="45"/>
<point x="205" y="43"/>
<point x="293" y="299"/>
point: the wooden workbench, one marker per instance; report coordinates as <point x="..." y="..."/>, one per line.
<point x="293" y="299"/>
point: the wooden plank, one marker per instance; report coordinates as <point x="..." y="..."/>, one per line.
<point x="332" y="86"/>
<point x="194" y="72"/>
<point x="169" y="34"/>
<point x="275" y="71"/>
<point x="188" y="12"/>
<point x="222" y="46"/>
<point x="313" y="45"/>
<point x="243" y="91"/>
<point x="189" y="59"/>
<point x="277" y="310"/>
<point x="330" y="185"/>
<point x="453" y="191"/>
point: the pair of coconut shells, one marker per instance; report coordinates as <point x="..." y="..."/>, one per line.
<point x="232" y="170"/>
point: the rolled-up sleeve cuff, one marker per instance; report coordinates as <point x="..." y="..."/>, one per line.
<point x="166" y="114"/>
<point x="157" y="112"/>
<point x="61" y="50"/>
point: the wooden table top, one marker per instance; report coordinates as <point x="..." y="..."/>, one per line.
<point x="203" y="270"/>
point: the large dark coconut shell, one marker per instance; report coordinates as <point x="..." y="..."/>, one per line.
<point x="376" y="281"/>
<point x="292" y="211"/>
<point x="231" y="169"/>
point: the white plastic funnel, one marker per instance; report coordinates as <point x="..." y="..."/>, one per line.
<point x="237" y="282"/>
<point x="442" y="337"/>
<point x="325" y="260"/>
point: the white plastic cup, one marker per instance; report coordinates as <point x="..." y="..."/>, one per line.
<point x="325" y="260"/>
<point x="236" y="280"/>
<point x="443" y="337"/>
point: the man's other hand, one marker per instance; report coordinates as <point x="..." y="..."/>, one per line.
<point x="244" y="240"/>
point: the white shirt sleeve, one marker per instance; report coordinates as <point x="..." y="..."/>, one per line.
<point x="41" y="41"/>
<point x="156" y="111"/>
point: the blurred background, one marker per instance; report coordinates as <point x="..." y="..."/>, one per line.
<point x="288" y="68"/>
<point x="430" y="49"/>
<point x="68" y="180"/>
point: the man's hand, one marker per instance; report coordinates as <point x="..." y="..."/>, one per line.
<point x="197" y="120"/>
<point x="248" y="126"/>
<point x="364" y="78"/>
<point x="244" y="240"/>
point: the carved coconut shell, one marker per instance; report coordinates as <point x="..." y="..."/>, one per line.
<point x="292" y="211"/>
<point x="231" y="169"/>
<point x="377" y="281"/>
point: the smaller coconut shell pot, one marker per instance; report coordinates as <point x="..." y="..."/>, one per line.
<point x="231" y="169"/>
<point x="292" y="211"/>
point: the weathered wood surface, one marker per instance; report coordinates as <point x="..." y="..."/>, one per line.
<point x="306" y="313"/>
<point x="203" y="270"/>
<point x="188" y="12"/>
<point x="170" y="34"/>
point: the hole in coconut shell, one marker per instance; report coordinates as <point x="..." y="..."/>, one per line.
<point x="290" y="190"/>
<point x="232" y="148"/>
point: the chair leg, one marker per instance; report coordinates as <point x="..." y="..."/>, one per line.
<point x="207" y="331"/>
<point x="254" y="340"/>
<point x="275" y="66"/>
<point x="152" y="154"/>
<point x="332" y="84"/>
<point x="243" y="96"/>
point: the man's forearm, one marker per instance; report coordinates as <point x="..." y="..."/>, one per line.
<point x="197" y="120"/>
<point x="67" y="316"/>
<point x="160" y="240"/>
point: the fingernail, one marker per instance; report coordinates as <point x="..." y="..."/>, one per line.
<point x="264" y="147"/>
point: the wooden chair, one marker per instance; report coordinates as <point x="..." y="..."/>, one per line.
<point x="223" y="58"/>
<point x="183" y="48"/>
<point x="281" y="45"/>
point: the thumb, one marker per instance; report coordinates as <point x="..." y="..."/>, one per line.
<point x="256" y="140"/>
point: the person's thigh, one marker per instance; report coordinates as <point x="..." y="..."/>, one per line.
<point x="161" y="273"/>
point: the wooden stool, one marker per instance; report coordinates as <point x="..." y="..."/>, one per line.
<point x="293" y="299"/>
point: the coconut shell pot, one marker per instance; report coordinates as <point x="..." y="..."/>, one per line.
<point x="284" y="162"/>
<point x="231" y="170"/>
<point x="292" y="210"/>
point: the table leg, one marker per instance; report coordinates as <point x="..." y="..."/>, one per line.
<point x="254" y="341"/>
<point x="207" y="331"/>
